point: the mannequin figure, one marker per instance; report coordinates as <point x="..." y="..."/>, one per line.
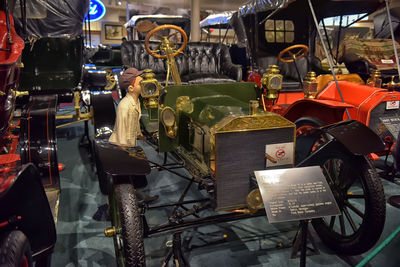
<point x="127" y="126"/>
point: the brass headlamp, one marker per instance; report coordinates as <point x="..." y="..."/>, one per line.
<point x="150" y="89"/>
<point x="168" y="119"/>
<point x="310" y="85"/>
<point x="375" y="79"/>
<point x="272" y="81"/>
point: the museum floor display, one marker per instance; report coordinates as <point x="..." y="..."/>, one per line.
<point x="250" y="242"/>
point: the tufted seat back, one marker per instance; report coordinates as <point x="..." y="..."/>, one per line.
<point x="199" y="63"/>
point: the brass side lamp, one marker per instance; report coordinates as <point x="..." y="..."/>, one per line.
<point x="375" y="79"/>
<point x="310" y="85"/>
<point x="272" y="81"/>
<point x="150" y="89"/>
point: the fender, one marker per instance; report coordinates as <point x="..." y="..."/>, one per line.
<point x="25" y="197"/>
<point x="358" y="138"/>
<point x="328" y="111"/>
<point x="350" y="135"/>
<point x="123" y="164"/>
<point x="103" y="113"/>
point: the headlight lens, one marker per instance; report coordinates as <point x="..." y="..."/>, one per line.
<point x="150" y="89"/>
<point x="275" y="82"/>
<point x="168" y="117"/>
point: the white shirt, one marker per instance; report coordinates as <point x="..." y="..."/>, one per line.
<point x="127" y="126"/>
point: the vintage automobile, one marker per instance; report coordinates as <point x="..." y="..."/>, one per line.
<point x="218" y="133"/>
<point x="29" y="170"/>
<point x="294" y="84"/>
<point x="136" y="31"/>
<point x="27" y="228"/>
<point x="225" y="28"/>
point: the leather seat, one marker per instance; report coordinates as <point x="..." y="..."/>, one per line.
<point x="200" y="62"/>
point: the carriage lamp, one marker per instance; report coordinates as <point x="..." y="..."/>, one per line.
<point x="375" y="79"/>
<point x="310" y="85"/>
<point x="150" y="89"/>
<point x="272" y="82"/>
<point x="168" y="119"/>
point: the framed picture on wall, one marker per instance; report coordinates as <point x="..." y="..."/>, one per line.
<point x="112" y="32"/>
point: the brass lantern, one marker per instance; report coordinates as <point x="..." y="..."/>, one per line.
<point x="310" y="85"/>
<point x="272" y="81"/>
<point x="150" y="89"/>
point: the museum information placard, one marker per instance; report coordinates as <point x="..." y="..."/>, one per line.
<point x="296" y="194"/>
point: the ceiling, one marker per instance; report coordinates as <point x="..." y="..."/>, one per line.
<point x="205" y="5"/>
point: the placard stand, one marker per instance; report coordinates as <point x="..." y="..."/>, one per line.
<point x="176" y="252"/>
<point x="297" y="194"/>
<point x="300" y="243"/>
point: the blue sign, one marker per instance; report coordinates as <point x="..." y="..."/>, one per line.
<point x="97" y="10"/>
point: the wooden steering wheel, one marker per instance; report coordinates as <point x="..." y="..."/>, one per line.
<point x="291" y="56"/>
<point x="165" y="40"/>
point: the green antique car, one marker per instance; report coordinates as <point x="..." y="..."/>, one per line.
<point x="218" y="133"/>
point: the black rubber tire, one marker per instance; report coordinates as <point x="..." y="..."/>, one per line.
<point x="14" y="247"/>
<point x="125" y="213"/>
<point x="366" y="180"/>
<point x="311" y="121"/>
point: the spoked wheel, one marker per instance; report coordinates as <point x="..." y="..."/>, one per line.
<point x="359" y="194"/>
<point x="305" y="124"/>
<point x="111" y="81"/>
<point x="15" y="250"/>
<point x="126" y="219"/>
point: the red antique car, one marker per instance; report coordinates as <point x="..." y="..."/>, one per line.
<point x="28" y="160"/>
<point x="27" y="229"/>
<point x="282" y="45"/>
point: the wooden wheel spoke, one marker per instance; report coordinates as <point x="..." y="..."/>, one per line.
<point x="350" y="219"/>
<point x="342" y="226"/>
<point x="356" y="211"/>
<point x="160" y="36"/>
<point x="172" y="34"/>
<point x="299" y="52"/>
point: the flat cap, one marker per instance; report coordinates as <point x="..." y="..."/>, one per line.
<point x="128" y="77"/>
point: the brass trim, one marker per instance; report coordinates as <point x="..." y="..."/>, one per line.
<point x="254" y="105"/>
<point x="254" y="201"/>
<point x="183" y="104"/>
<point x="243" y="123"/>
<point x="110" y="231"/>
